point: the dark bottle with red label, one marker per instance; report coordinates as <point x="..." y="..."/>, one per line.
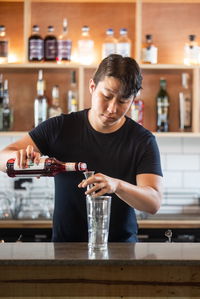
<point x="50" y="45"/>
<point x="47" y="167"/>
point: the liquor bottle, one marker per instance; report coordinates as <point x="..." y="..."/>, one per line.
<point x="191" y="51"/>
<point x="50" y="45"/>
<point x="46" y="167"/>
<point x="72" y="95"/>
<point x="1" y="102"/>
<point x="185" y="104"/>
<point x="137" y="111"/>
<point x="3" y="45"/>
<point x="64" y="44"/>
<point x="124" y="43"/>
<point x="55" y="109"/>
<point x="85" y="47"/>
<point x="162" y="103"/>
<point x="35" y="45"/>
<point x="7" y="111"/>
<point x="40" y="102"/>
<point x="109" y="44"/>
<point x="149" y="51"/>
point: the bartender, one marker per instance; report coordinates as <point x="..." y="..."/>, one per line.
<point x="123" y="154"/>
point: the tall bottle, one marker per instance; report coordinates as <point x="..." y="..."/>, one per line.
<point x="185" y="104"/>
<point x="64" y="44"/>
<point x="35" y="45"/>
<point x="1" y="101"/>
<point x="50" y="45"/>
<point x="46" y="167"/>
<point x="109" y="44"/>
<point x="124" y="43"/>
<point x="149" y="51"/>
<point x="137" y="111"/>
<point x="72" y="95"/>
<point x="3" y="45"/>
<point x="191" y="51"/>
<point x="85" y="47"/>
<point x="40" y="102"/>
<point x="7" y="111"/>
<point x="55" y="109"/>
<point x="162" y="104"/>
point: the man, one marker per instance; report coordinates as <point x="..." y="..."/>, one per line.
<point x="123" y="154"/>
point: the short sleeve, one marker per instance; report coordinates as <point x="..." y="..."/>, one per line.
<point x="149" y="157"/>
<point x="46" y="134"/>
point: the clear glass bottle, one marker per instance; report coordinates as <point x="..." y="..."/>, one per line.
<point x="109" y="44"/>
<point x="185" y="103"/>
<point x="149" y="51"/>
<point x="72" y="95"/>
<point x="1" y="101"/>
<point x="85" y="47"/>
<point x="162" y="105"/>
<point x="50" y="45"/>
<point x="7" y="111"/>
<point x="64" y="44"/>
<point x="124" y="43"/>
<point x="4" y="44"/>
<point x="35" y="45"/>
<point x="46" y="167"/>
<point x="137" y="111"/>
<point x="191" y="51"/>
<point x="55" y="109"/>
<point x="40" y="102"/>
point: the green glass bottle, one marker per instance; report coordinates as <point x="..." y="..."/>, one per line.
<point x="162" y="105"/>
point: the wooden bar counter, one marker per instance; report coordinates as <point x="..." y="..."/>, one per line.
<point x="66" y="270"/>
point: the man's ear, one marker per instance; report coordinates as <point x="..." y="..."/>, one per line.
<point x="92" y="86"/>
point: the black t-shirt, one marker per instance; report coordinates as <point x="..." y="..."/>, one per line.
<point x="123" y="154"/>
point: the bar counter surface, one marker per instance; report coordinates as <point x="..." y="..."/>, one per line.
<point x="47" y="270"/>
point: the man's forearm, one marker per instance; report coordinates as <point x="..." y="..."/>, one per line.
<point x="143" y="198"/>
<point x="5" y="155"/>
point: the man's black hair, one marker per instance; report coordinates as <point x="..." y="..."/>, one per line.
<point x="126" y="69"/>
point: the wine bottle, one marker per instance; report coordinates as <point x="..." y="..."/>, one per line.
<point x="55" y="109"/>
<point x="72" y="101"/>
<point x="109" y="44"/>
<point x="191" y="51"/>
<point x="149" y="51"/>
<point x="4" y="44"/>
<point x="40" y="102"/>
<point x="124" y="43"/>
<point x="50" y="45"/>
<point x="185" y="104"/>
<point x="35" y="45"/>
<point x="7" y="111"/>
<point x="47" y="167"/>
<point x="162" y="103"/>
<point x="85" y="47"/>
<point x="64" y="44"/>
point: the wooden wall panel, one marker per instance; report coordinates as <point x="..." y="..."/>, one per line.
<point x="98" y="16"/>
<point x="170" y="25"/>
<point x="11" y="16"/>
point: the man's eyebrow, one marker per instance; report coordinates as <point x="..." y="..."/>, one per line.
<point x="110" y="90"/>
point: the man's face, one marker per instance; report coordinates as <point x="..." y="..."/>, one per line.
<point x="108" y="106"/>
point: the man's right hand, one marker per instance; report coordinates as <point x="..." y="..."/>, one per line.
<point x="23" y="155"/>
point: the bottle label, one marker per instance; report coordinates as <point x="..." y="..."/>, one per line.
<point x="85" y="51"/>
<point x="124" y="49"/>
<point x="149" y="55"/>
<point x="36" y="49"/>
<point x="30" y="165"/>
<point x="64" y="49"/>
<point x="50" y="49"/>
<point x="40" y="110"/>
<point x="3" y="48"/>
<point x="108" y="48"/>
<point x="191" y="54"/>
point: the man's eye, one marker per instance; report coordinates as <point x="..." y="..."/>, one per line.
<point x="107" y="97"/>
<point x="123" y="102"/>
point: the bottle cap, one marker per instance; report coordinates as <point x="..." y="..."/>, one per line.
<point x="192" y="37"/>
<point x="36" y="28"/>
<point x="85" y="28"/>
<point x="109" y="31"/>
<point x="123" y="31"/>
<point x="2" y="28"/>
<point x="50" y="28"/>
<point x="148" y="36"/>
<point x="82" y="166"/>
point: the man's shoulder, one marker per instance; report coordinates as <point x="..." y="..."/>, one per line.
<point x="137" y="129"/>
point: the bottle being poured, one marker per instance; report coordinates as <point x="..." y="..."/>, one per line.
<point x="46" y="167"/>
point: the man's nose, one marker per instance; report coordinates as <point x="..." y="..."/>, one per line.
<point x="112" y="106"/>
